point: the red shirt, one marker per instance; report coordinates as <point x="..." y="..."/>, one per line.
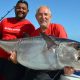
<point x="11" y="28"/>
<point x="56" y="30"/>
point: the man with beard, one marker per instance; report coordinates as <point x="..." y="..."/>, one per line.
<point x="13" y="28"/>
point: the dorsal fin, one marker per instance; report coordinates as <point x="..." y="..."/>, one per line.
<point x="50" y="42"/>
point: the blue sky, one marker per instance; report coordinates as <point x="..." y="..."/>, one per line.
<point x="65" y="12"/>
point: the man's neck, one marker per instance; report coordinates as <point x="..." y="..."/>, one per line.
<point x="20" y="19"/>
<point x="43" y="29"/>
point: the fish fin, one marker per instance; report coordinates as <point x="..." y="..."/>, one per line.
<point x="49" y="41"/>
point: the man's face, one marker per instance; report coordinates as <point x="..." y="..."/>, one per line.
<point x="43" y="16"/>
<point x="21" y="10"/>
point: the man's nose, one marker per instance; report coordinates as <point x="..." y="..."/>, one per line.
<point x="43" y="16"/>
<point x="20" y="9"/>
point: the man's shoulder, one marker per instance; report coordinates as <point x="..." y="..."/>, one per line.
<point x="56" y="25"/>
<point x="13" y="18"/>
<point x="27" y="21"/>
<point x="10" y="18"/>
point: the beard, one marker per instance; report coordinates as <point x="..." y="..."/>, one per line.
<point x="20" y="16"/>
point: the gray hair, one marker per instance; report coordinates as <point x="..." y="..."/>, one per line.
<point x="45" y="7"/>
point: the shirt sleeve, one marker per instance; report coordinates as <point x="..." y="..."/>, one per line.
<point x="31" y="29"/>
<point x="28" y="29"/>
<point x="61" y="31"/>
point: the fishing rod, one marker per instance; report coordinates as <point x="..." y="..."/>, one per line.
<point x="6" y="14"/>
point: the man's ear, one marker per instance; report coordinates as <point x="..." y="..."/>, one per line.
<point x="15" y="9"/>
<point x="50" y="16"/>
<point x="28" y="10"/>
<point x="36" y="16"/>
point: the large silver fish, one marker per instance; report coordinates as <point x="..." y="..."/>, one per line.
<point x="45" y="52"/>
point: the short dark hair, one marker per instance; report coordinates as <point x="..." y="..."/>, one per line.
<point x="22" y="1"/>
